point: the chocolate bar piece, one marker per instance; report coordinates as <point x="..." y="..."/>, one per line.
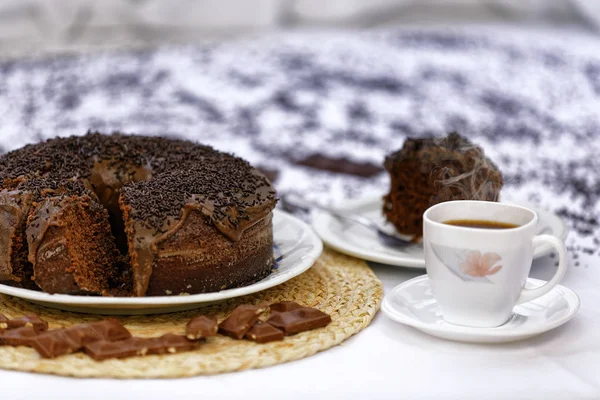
<point x="262" y="332"/>
<point x="167" y="344"/>
<point x="33" y="321"/>
<point x="18" y="336"/>
<point x="58" y="342"/>
<point x="240" y="321"/>
<point x="284" y="306"/>
<point x="110" y="329"/>
<point x="299" y="320"/>
<point x="340" y="165"/>
<point x="103" y="350"/>
<point x="201" y="327"/>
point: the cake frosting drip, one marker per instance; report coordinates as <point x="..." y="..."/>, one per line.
<point x="106" y="179"/>
<point x="231" y="194"/>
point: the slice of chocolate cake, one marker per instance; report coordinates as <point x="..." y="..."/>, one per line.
<point x="70" y="245"/>
<point x="15" y="268"/>
<point x="17" y="202"/>
<point x="433" y="170"/>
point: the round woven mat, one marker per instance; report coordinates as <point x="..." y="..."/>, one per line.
<point x="344" y="287"/>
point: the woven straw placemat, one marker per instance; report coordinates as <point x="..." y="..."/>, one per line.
<point x="344" y="287"/>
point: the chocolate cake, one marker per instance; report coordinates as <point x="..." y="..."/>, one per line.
<point x="433" y="170"/>
<point x="132" y="215"/>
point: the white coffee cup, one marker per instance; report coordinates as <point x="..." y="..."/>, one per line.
<point x="477" y="274"/>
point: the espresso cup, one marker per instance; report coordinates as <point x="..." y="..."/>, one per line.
<point x="478" y="275"/>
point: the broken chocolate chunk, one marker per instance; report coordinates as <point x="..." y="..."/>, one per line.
<point x="201" y="327"/>
<point x="18" y="336"/>
<point x="167" y="344"/>
<point x="33" y="321"/>
<point x="340" y="165"/>
<point x="56" y="343"/>
<point x="262" y="332"/>
<point x="59" y="342"/>
<point x="299" y="320"/>
<point x="103" y="350"/>
<point x="240" y="321"/>
<point x="110" y="329"/>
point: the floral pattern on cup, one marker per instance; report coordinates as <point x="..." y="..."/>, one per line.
<point x="480" y="265"/>
<point x="468" y="264"/>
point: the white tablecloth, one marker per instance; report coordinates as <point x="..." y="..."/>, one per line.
<point x="386" y="360"/>
<point x="531" y="99"/>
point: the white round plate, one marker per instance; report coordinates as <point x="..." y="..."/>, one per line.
<point x="297" y="247"/>
<point x="358" y="241"/>
<point x="412" y="303"/>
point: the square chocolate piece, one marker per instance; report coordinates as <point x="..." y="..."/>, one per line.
<point x="166" y="344"/>
<point x="110" y="329"/>
<point x="55" y="343"/>
<point x="33" y="321"/>
<point x="299" y="320"/>
<point x="201" y="327"/>
<point x="59" y="342"/>
<point x="104" y="350"/>
<point x="240" y="321"/>
<point x="18" y="336"/>
<point x="262" y="332"/>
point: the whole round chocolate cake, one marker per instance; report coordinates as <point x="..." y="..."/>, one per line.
<point x="132" y="215"/>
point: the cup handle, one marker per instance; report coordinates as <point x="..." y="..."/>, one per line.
<point x="559" y="246"/>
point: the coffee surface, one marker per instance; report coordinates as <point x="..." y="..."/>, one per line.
<point x="480" y="223"/>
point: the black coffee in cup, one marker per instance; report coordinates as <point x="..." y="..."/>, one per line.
<point x="480" y="224"/>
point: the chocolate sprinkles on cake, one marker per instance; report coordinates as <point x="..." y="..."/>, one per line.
<point x="93" y="215"/>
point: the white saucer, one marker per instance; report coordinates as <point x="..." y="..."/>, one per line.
<point x="357" y="241"/>
<point x="412" y="303"/>
<point x="295" y="243"/>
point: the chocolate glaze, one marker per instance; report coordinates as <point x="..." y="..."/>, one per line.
<point x="149" y="185"/>
<point x="106" y="180"/>
<point x="230" y="194"/>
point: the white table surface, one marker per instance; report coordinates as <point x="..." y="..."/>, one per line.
<point x="387" y="360"/>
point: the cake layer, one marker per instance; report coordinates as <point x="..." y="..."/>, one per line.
<point x="199" y="259"/>
<point x="71" y="247"/>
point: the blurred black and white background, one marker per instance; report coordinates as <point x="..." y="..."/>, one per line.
<point x="58" y="25"/>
